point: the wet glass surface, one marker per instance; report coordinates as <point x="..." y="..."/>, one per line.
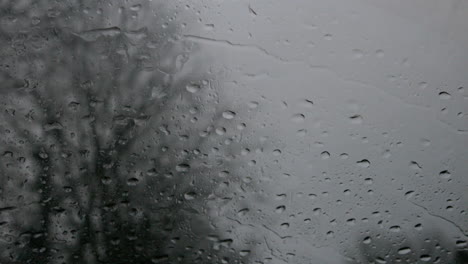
<point x="233" y="131"/>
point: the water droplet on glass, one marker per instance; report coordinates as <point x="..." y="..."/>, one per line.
<point x="229" y="115"/>
<point x="363" y="163"/>
<point x="444" y="95"/>
<point x="280" y="209"/>
<point x="461" y="243"/>
<point x="243" y="212"/>
<point x="415" y="166"/>
<point x="135" y="7"/>
<point x="223" y="174"/>
<point x="220" y="131"/>
<point x="183" y="167"/>
<point x="253" y="104"/>
<point x="298" y="118"/>
<point x="367" y="240"/>
<point x="189" y="196"/>
<point x="409" y="194"/>
<point x="307" y="103"/>
<point x="404" y="250"/>
<point x="422" y="85"/>
<point x="445" y="174"/>
<point x="368" y="181"/>
<point x="276" y="152"/>
<point x="325" y="155"/>
<point x="132" y="181"/>
<point x="356" y="119"/>
<point x="193" y="88"/>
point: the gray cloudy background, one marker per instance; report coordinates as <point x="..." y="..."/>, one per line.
<point x="342" y="82"/>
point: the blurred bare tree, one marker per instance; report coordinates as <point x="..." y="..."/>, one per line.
<point x="104" y="136"/>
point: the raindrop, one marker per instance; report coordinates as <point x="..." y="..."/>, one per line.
<point x="409" y="194"/>
<point x="252" y="12"/>
<point x="193" y="88"/>
<point x="223" y="174"/>
<point x="380" y="260"/>
<point x="356" y="119"/>
<point x="444" y="95"/>
<point x="280" y="209"/>
<point x="367" y="240"/>
<point x="241" y="126"/>
<point x="368" y="181"/>
<point x="276" y="152"/>
<point x="243" y="211"/>
<point x="43" y="155"/>
<point x="344" y="156"/>
<point x="189" y="196"/>
<point x="245" y="151"/>
<point x="135" y="7"/>
<point x="35" y="21"/>
<point x="73" y="106"/>
<point x="220" y="131"/>
<point x="425" y="258"/>
<point x="363" y="163"/>
<point x="280" y="196"/>
<point x="132" y="181"/>
<point x="418" y="227"/>
<point x="317" y="211"/>
<point x="415" y="166"/>
<point x="351" y="221"/>
<point x="445" y="174"/>
<point x="404" y="250"/>
<point x="253" y="105"/>
<point x="152" y="172"/>
<point x="307" y="103"/>
<point x="183" y="167"/>
<point x="461" y="243"/>
<point x="301" y="132"/>
<point x="229" y="115"/>
<point x="298" y="118"/>
<point x="106" y="180"/>
<point x="209" y="27"/>
<point x="325" y="155"/>
<point x="425" y="142"/>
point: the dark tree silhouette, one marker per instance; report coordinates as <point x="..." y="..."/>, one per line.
<point x="105" y="137"/>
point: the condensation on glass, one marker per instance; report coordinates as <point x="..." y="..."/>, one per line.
<point x="233" y="131"/>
